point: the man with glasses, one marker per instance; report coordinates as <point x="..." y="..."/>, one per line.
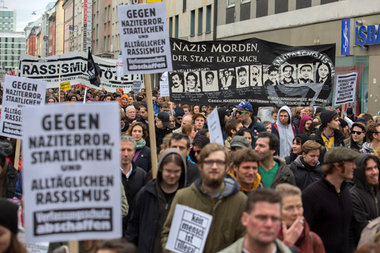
<point x="373" y="135"/>
<point x="357" y="137"/>
<point x="262" y="219"/>
<point x="244" y="112"/>
<point x="216" y="194"/>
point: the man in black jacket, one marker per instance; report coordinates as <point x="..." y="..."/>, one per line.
<point x="328" y="134"/>
<point x="327" y="202"/>
<point x="365" y="194"/>
<point x="132" y="176"/>
<point x="306" y="167"/>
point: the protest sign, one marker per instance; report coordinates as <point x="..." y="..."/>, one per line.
<point x="72" y="172"/>
<point x="215" y="130"/>
<point x="164" y="85"/>
<point x="65" y="86"/>
<point x="345" y="89"/>
<point x="189" y="230"/>
<point x="72" y="67"/>
<point x="262" y="72"/>
<point x="144" y="38"/>
<point x="18" y="93"/>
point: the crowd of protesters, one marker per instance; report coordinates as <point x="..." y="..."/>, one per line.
<point x="302" y="179"/>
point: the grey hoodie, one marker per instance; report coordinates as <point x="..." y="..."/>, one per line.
<point x="285" y="133"/>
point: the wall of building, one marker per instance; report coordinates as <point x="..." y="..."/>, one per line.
<point x="59" y="31"/>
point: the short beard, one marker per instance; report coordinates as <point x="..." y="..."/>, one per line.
<point x="213" y="183"/>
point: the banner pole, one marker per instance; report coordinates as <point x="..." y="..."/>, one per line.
<point x="17" y="153"/>
<point x="73" y="246"/>
<point x="152" y="133"/>
<point x="59" y="86"/>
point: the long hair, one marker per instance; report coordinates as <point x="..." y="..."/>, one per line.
<point x="16" y="246"/>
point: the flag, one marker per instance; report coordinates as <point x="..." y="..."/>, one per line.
<point x="12" y="74"/>
<point x="93" y="70"/>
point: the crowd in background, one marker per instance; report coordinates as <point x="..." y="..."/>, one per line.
<point x="321" y="162"/>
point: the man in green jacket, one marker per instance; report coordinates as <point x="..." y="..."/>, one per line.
<point x="216" y="194"/>
<point x="262" y="219"/>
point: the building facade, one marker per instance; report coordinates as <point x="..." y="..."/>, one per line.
<point x="12" y="45"/>
<point x="310" y="22"/>
<point x="7" y="20"/>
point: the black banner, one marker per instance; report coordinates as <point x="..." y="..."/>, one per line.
<point x="262" y="72"/>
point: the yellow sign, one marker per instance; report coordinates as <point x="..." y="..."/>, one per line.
<point x="65" y="86"/>
<point x="153" y="1"/>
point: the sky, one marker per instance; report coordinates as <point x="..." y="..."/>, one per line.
<point x="24" y="10"/>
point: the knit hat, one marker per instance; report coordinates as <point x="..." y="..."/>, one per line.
<point x="240" y="141"/>
<point x="164" y="117"/>
<point x="340" y="154"/>
<point x="8" y="215"/>
<point x="326" y="117"/>
<point x="178" y="112"/>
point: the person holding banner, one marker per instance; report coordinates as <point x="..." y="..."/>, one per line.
<point x="153" y="201"/>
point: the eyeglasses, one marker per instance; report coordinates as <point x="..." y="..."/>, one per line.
<point x="196" y="151"/>
<point x="218" y="163"/>
<point x="241" y="112"/>
<point x="356" y="132"/>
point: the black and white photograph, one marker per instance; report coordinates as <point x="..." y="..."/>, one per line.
<point x="242" y="77"/>
<point x="256" y="75"/>
<point x="288" y="74"/>
<point x="209" y="81"/>
<point x="305" y="73"/>
<point x="226" y="78"/>
<point x="192" y="82"/>
<point x="177" y="81"/>
<point x="270" y="75"/>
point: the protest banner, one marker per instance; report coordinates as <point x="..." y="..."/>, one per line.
<point x="189" y="230"/>
<point x="65" y="86"/>
<point x="72" y="172"/>
<point x="18" y="93"/>
<point x="164" y="85"/>
<point x="215" y="130"/>
<point x="345" y="89"/>
<point x="144" y="38"/>
<point x="262" y="72"/>
<point x="72" y="67"/>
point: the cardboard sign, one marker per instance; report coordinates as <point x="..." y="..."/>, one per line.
<point x="164" y="85"/>
<point x="215" y="130"/>
<point x="72" y="172"/>
<point x="65" y="86"/>
<point x="345" y="91"/>
<point x="189" y="230"/>
<point x="18" y="93"/>
<point x="144" y="38"/>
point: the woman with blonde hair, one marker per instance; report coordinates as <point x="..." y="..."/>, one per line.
<point x="295" y="230"/>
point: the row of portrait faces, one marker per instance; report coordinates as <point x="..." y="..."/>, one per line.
<point x="253" y="75"/>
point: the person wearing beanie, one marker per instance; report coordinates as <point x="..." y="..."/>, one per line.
<point x="328" y="134"/>
<point x="330" y="196"/>
<point x="9" y="242"/>
<point x="178" y="114"/>
<point x="8" y="173"/>
<point x="124" y="102"/>
<point x="153" y="201"/>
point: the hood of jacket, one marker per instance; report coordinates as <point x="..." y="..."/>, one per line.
<point x="360" y="178"/>
<point x="231" y="186"/>
<point x="183" y="178"/>
<point x="299" y="162"/>
<point x="287" y="109"/>
<point x="303" y="121"/>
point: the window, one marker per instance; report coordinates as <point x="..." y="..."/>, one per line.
<point x="208" y="19"/>
<point x="200" y="21"/>
<point x="328" y="1"/>
<point x="300" y="4"/>
<point x="170" y="26"/>
<point x="184" y="3"/>
<point x="176" y="26"/>
<point x="261" y="8"/>
<point x="230" y="3"/>
<point x="281" y="6"/>
<point x="245" y="11"/>
<point x="192" y="23"/>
